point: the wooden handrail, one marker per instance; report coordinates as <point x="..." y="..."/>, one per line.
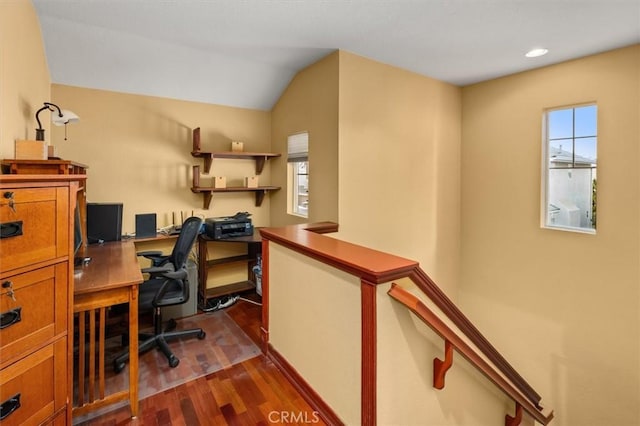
<point x="371" y="265"/>
<point x="436" y="324"/>
<point x="374" y="267"/>
<point x="428" y="287"/>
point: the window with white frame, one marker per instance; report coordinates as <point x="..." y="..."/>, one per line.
<point x="298" y="174"/>
<point x="569" y="168"/>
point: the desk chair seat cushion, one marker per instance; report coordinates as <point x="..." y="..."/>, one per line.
<point x="151" y="297"/>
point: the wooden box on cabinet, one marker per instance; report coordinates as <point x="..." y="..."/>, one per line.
<point x="31" y="150"/>
<point x="36" y="273"/>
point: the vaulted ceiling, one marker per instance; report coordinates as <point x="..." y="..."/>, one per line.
<point x="244" y="52"/>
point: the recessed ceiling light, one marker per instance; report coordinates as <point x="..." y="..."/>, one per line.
<point x="534" y="53"/>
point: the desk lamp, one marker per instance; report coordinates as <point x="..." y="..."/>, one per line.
<point x="62" y="117"/>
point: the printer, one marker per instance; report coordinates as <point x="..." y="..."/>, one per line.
<point x="220" y="228"/>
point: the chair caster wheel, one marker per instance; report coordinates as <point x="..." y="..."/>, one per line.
<point x="171" y="325"/>
<point x="173" y="362"/>
<point x="202" y="335"/>
<point x="118" y="366"/>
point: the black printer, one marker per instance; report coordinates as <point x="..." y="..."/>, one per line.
<point x="220" y="228"/>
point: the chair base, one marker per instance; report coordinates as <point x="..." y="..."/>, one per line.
<point x="159" y="341"/>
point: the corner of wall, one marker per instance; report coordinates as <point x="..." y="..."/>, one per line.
<point x="25" y="82"/>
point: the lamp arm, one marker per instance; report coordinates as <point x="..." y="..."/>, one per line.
<point x="38" y="113"/>
<point x="49" y="105"/>
<point x="40" y="130"/>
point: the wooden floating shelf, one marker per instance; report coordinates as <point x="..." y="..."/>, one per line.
<point x="223" y="290"/>
<point x="226" y="260"/>
<point x="259" y="157"/>
<point x="208" y="192"/>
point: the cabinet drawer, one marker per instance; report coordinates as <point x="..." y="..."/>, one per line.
<point x="29" y="389"/>
<point x="36" y="227"/>
<point x="38" y="312"/>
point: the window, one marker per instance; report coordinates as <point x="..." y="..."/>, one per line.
<point x="298" y="174"/>
<point x="569" y="169"/>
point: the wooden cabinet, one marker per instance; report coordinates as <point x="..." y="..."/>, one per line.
<point x="36" y="296"/>
<point x="52" y="167"/>
<point x="259" y="157"/>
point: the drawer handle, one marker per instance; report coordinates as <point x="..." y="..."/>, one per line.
<point x="10" y="229"/>
<point x="9" y="318"/>
<point x="9" y="406"/>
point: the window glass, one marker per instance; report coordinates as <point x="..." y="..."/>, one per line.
<point x="298" y="174"/>
<point x="560" y="124"/>
<point x="301" y="188"/>
<point x="570" y="181"/>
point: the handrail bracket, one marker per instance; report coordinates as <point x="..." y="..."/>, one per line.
<point x="441" y="367"/>
<point x="516" y="419"/>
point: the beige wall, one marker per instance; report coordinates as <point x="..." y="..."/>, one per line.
<point x="399" y="165"/>
<point x="138" y="149"/>
<point x="310" y="103"/>
<point x="563" y="306"/>
<point x="24" y="74"/>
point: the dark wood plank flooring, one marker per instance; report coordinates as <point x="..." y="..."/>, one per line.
<point x="253" y="392"/>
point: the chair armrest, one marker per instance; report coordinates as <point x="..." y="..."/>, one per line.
<point x="158" y="270"/>
<point x="154" y="253"/>
<point x="180" y="274"/>
<point x="155" y="256"/>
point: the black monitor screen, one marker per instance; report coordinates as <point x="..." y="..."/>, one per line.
<point x="104" y="222"/>
<point x="77" y="231"/>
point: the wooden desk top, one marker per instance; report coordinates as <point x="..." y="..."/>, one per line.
<point x="158" y="237"/>
<point x="113" y="265"/>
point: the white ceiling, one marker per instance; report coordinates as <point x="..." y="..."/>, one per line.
<point x="244" y="52"/>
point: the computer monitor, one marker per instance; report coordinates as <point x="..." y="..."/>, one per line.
<point x="77" y="233"/>
<point x="104" y="222"/>
<point x="146" y="225"/>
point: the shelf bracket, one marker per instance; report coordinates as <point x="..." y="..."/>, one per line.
<point x="440" y="367"/>
<point x="516" y="419"/>
<point x="196" y="140"/>
<point x="260" y="197"/>
<point x="208" y="160"/>
<point x="208" y="196"/>
<point x="260" y="164"/>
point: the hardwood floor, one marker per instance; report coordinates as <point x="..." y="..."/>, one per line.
<point x="253" y="392"/>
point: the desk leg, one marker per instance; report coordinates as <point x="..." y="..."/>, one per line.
<point x="133" y="350"/>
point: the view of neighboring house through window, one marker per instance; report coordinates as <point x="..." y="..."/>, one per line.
<point x="298" y="174"/>
<point x="570" y="162"/>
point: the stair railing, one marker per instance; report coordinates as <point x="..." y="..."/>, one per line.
<point x="373" y="268"/>
<point x="454" y="341"/>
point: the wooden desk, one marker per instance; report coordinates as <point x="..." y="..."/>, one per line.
<point x="112" y="277"/>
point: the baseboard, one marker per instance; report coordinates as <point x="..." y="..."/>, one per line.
<point x="324" y="411"/>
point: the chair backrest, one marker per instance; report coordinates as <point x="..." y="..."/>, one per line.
<point x="186" y="239"/>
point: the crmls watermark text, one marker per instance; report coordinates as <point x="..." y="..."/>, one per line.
<point x="292" y="417"/>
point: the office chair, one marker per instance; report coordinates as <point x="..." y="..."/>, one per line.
<point x="167" y="285"/>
